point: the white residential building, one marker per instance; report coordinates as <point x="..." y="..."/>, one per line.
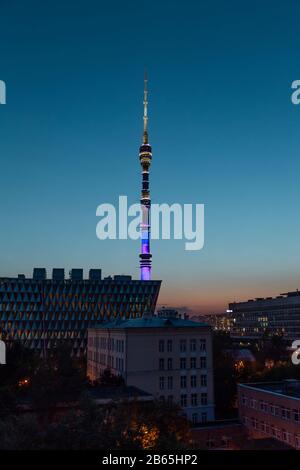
<point x="170" y="358"/>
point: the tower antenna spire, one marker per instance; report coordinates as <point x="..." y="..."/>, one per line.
<point x="145" y="117"/>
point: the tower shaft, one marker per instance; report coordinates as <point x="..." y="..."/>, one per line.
<point x="145" y="155"/>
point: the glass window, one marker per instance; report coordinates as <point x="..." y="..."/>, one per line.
<point x="193" y="345"/>
<point x="203" y="380"/>
<point x="161" y="345"/>
<point x="183" y="401"/>
<point x="183" y="381"/>
<point x="183" y="345"/>
<point x="203" y="399"/>
<point x="203" y="362"/>
<point x="193" y="363"/>
<point x="170" y="363"/>
<point x="161" y="383"/>
<point x="169" y="345"/>
<point x="182" y="363"/>
<point x="161" y="364"/>
<point x="193" y="381"/>
<point x="194" y="399"/>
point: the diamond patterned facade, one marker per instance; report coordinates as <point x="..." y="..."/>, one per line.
<point x="39" y="312"/>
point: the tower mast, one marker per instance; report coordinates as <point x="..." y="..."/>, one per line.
<point x="145" y="155"/>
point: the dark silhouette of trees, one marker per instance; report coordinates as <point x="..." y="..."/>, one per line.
<point x="109" y="379"/>
<point x="125" y="425"/>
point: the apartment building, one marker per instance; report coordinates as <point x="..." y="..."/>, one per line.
<point x="171" y="358"/>
<point x="271" y="410"/>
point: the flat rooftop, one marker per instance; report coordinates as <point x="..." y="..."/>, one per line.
<point x="278" y="298"/>
<point x="288" y="388"/>
<point x="151" y="322"/>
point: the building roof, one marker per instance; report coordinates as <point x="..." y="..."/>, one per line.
<point x="288" y="388"/>
<point x="267" y="443"/>
<point x="151" y="322"/>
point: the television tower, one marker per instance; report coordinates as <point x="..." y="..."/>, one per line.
<point x="145" y="160"/>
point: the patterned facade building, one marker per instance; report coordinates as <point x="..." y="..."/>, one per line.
<point x="40" y="311"/>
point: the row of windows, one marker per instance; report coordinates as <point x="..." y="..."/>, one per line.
<point x="193" y="400"/>
<point x="266" y="428"/>
<point x="182" y="364"/>
<point x="109" y="361"/>
<point x="167" y="345"/>
<point x="193" y="381"/>
<point x="107" y="343"/>
<point x="275" y="410"/>
<point x="168" y="382"/>
<point x="196" y="417"/>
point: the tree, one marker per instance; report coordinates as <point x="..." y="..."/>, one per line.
<point x="109" y="379"/>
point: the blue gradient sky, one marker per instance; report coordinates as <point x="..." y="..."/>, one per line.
<point x="223" y="129"/>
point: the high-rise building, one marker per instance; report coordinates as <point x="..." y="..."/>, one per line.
<point x="171" y="358"/>
<point x="40" y="311"/>
<point x="145" y="160"/>
<point x="278" y="315"/>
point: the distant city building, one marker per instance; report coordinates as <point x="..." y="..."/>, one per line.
<point x="39" y="311"/>
<point x="167" y="313"/>
<point x="170" y="358"/>
<point x="171" y="313"/>
<point x="254" y="318"/>
<point x="219" y="322"/>
<point x="271" y="410"/>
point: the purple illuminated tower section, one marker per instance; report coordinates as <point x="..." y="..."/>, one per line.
<point x="145" y="160"/>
